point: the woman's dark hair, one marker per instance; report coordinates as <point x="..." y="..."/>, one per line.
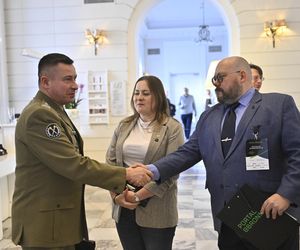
<point x="157" y="90"/>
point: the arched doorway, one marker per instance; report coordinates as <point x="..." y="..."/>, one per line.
<point x="135" y="27"/>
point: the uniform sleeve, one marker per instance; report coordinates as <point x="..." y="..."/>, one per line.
<point x="49" y="141"/>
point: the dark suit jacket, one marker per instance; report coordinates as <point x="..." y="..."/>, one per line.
<point x="279" y="121"/>
<point x="48" y="202"/>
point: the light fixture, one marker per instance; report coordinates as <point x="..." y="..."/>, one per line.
<point x="203" y="33"/>
<point x="32" y="53"/>
<point x="274" y="28"/>
<point x="96" y="37"/>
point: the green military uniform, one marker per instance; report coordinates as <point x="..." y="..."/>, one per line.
<point x="48" y="202"/>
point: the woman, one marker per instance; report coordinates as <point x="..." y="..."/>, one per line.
<point x="149" y="216"/>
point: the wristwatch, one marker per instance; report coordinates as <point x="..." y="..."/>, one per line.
<point x="136" y="198"/>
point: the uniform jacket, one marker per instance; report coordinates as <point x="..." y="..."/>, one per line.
<point x="161" y="210"/>
<point x="278" y="120"/>
<point x="48" y="201"/>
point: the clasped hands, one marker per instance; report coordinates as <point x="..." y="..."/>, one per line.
<point x="126" y="199"/>
<point x="138" y="175"/>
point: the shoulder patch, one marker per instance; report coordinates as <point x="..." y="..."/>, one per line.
<point x="52" y="130"/>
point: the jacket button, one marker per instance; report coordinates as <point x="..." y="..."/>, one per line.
<point x="222" y="186"/>
<point x="58" y="205"/>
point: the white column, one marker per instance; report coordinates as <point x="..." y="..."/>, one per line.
<point x="3" y="70"/>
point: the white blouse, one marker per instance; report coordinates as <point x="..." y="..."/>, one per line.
<point x="136" y="145"/>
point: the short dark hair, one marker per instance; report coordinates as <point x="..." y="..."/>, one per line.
<point x="51" y="60"/>
<point x="259" y="69"/>
<point x="157" y="90"/>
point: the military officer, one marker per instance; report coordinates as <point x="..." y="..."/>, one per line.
<point x="48" y="202"/>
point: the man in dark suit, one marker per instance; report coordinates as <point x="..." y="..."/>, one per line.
<point x="48" y="202"/>
<point x="271" y="120"/>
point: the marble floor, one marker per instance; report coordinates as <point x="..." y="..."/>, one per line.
<point x="194" y="231"/>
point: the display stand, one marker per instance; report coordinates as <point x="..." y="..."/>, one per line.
<point x="98" y="97"/>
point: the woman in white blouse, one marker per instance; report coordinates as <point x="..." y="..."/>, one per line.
<point x="149" y="215"/>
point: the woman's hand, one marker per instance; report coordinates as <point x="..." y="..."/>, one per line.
<point x="120" y="199"/>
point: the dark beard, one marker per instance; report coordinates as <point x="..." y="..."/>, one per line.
<point x="229" y="97"/>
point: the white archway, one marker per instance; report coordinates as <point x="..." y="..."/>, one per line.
<point x="139" y="14"/>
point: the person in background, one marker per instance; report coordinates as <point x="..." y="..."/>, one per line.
<point x="270" y="122"/>
<point x="48" y="201"/>
<point x="187" y="107"/>
<point x="172" y="108"/>
<point x="257" y="76"/>
<point x="148" y="216"/>
<point x="208" y="99"/>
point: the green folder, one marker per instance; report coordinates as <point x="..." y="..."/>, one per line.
<point x="242" y="214"/>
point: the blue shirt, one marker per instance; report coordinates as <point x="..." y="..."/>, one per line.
<point x="187" y="104"/>
<point x="239" y="111"/>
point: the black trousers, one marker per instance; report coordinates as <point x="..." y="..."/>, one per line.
<point x="135" y="237"/>
<point x="49" y="248"/>
<point x="229" y="240"/>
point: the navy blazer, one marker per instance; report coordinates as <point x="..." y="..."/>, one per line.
<point x="279" y="121"/>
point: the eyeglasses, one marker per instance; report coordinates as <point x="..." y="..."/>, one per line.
<point x="220" y="77"/>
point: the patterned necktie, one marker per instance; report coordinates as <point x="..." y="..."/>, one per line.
<point x="228" y="129"/>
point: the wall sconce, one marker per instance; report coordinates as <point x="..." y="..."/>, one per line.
<point x="97" y="38"/>
<point x="274" y="28"/>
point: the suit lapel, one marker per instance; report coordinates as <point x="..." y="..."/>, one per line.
<point x="244" y="123"/>
<point x="69" y="122"/>
<point x="155" y="142"/>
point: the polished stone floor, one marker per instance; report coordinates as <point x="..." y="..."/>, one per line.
<point x="194" y="231"/>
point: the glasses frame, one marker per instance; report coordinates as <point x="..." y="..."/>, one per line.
<point x="219" y="78"/>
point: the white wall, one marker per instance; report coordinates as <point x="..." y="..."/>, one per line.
<point x="58" y="26"/>
<point x="3" y="70"/>
<point x="281" y="65"/>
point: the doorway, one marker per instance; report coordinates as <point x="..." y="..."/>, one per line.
<point x="136" y="31"/>
<point x="194" y="83"/>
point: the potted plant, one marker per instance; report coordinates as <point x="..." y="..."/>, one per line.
<point x="71" y="108"/>
<point x="74" y="104"/>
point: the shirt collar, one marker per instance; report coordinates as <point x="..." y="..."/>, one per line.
<point x="246" y="98"/>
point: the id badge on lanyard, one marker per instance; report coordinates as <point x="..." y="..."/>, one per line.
<point x="257" y="152"/>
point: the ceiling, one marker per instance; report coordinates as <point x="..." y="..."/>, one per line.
<point x="183" y="14"/>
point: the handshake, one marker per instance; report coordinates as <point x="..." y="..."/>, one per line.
<point x="138" y="175"/>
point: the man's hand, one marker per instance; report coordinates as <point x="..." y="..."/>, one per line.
<point x="274" y="205"/>
<point x="138" y="175"/>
